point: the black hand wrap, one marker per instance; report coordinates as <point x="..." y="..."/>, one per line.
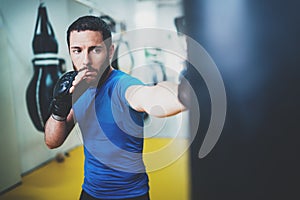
<point x="62" y="99"/>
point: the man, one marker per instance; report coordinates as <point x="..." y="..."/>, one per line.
<point x="109" y="111"/>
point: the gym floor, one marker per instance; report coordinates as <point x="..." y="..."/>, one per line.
<point x="62" y="180"/>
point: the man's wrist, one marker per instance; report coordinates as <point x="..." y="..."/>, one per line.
<point x="58" y="118"/>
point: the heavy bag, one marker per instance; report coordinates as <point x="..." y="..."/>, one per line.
<point x="47" y="70"/>
<point x="40" y="88"/>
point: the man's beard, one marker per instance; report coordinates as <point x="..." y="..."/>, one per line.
<point x="101" y="73"/>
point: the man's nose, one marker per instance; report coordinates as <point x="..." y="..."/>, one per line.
<point x="86" y="59"/>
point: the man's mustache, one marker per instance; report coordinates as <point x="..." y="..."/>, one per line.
<point x="89" y="68"/>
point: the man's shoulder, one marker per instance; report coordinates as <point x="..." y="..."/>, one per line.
<point x="126" y="79"/>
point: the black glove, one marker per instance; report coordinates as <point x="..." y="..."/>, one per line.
<point x="62" y="99"/>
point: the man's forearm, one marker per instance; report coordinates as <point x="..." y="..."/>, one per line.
<point x="166" y="102"/>
<point x="160" y="100"/>
<point x="57" y="131"/>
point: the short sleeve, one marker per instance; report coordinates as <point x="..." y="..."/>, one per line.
<point x="128" y="119"/>
<point x="123" y="84"/>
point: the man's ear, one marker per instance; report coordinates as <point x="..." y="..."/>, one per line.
<point x="111" y="51"/>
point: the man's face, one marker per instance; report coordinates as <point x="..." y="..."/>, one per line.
<point x="89" y="53"/>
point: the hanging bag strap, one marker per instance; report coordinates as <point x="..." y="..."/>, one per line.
<point x="44" y="38"/>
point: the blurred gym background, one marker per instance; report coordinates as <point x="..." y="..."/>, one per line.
<point x="255" y="45"/>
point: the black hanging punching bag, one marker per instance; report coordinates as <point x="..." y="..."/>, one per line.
<point x="47" y="69"/>
<point x="255" y="45"/>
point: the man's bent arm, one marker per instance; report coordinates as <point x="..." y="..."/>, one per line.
<point x="56" y="131"/>
<point x="160" y="100"/>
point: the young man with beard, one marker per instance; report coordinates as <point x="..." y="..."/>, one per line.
<point x="109" y="111"/>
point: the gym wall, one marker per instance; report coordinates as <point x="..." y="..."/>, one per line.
<point x="22" y="145"/>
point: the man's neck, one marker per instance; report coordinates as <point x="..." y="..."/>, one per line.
<point x="105" y="76"/>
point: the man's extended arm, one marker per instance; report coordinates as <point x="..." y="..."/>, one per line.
<point x="160" y="100"/>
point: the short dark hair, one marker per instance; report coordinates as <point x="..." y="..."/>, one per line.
<point x="91" y="23"/>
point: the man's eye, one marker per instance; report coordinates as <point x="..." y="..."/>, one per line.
<point x="76" y="51"/>
<point x="96" y="50"/>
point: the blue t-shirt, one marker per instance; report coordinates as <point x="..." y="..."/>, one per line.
<point x="113" y="140"/>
